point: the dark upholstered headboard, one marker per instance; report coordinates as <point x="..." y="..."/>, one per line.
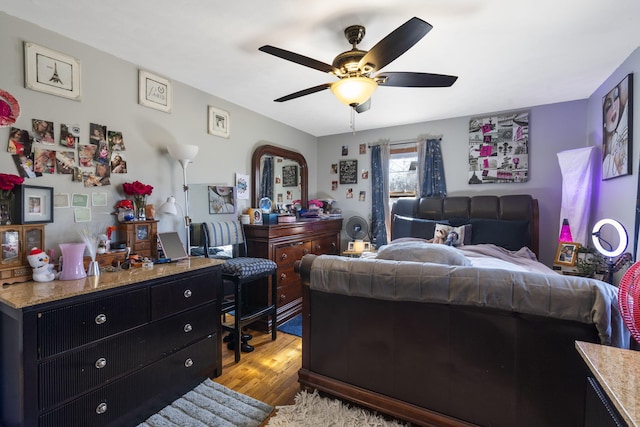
<point x="456" y="210"/>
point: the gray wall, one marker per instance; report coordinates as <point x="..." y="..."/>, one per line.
<point x="110" y="97"/>
<point x="553" y="128"/>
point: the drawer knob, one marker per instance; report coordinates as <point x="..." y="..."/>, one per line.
<point x="188" y="293"/>
<point x="188" y="327"/>
<point x="305" y="251"/>
<point x="100" y="319"/>
<point x="101" y="408"/>
<point x="188" y="363"/>
<point x="283" y="297"/>
<point x="101" y="363"/>
<point x="283" y="256"/>
<point x="283" y="277"/>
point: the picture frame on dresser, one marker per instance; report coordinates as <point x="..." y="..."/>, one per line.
<point x="34" y="204"/>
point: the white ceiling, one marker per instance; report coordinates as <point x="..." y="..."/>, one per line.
<point x="508" y="54"/>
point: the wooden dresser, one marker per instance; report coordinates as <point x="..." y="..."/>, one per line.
<point x="285" y="244"/>
<point x="110" y="349"/>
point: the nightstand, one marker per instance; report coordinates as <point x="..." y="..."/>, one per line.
<point x="140" y="236"/>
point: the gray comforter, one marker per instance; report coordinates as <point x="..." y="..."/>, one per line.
<point x="564" y="297"/>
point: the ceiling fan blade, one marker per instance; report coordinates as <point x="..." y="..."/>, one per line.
<point x="396" y="43"/>
<point x="304" y="92"/>
<point x="299" y="59"/>
<point x="407" y="79"/>
<point x="361" y="108"/>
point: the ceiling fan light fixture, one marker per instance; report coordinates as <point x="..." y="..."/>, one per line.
<point x="353" y="91"/>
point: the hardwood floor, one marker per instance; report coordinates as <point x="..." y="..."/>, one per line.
<point x="269" y="373"/>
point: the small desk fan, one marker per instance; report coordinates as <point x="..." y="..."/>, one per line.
<point x="356" y="228"/>
<point x="629" y="300"/>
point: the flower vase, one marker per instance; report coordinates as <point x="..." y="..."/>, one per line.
<point x="6" y="207"/>
<point x="141" y="207"/>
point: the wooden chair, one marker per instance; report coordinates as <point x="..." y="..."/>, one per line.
<point x="240" y="272"/>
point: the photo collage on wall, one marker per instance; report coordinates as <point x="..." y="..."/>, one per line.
<point x="348" y="173"/>
<point x="38" y="152"/>
<point x="499" y="148"/>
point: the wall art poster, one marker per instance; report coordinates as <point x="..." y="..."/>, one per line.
<point x="348" y="171"/>
<point x="617" y="113"/>
<point x="499" y="148"/>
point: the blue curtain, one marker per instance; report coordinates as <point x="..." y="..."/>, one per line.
<point x="433" y="183"/>
<point x="266" y="181"/>
<point x="379" y="197"/>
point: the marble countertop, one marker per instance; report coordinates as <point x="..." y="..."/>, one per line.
<point x="26" y="294"/>
<point x="618" y="372"/>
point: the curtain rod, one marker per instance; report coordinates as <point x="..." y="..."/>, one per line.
<point x="406" y="141"/>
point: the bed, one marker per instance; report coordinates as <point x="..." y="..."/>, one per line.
<point x="445" y="335"/>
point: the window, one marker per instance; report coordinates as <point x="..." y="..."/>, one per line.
<point x="403" y="172"/>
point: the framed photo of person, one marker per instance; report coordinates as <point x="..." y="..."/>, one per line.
<point x="617" y="119"/>
<point x="567" y="253"/>
<point x="34" y="204"/>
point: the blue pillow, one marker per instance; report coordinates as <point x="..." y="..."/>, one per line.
<point x="404" y="226"/>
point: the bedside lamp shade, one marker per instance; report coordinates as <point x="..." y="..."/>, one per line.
<point x="565" y="232"/>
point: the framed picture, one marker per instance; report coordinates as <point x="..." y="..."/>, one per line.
<point x="51" y="72"/>
<point x="348" y="171"/>
<point x="34" y="204"/>
<point x="367" y="246"/>
<point x="617" y="124"/>
<point x="154" y="91"/>
<point x="567" y="253"/>
<point x="221" y="199"/>
<point x="350" y="247"/>
<point x="290" y="176"/>
<point x="10" y="253"/>
<point x="219" y="122"/>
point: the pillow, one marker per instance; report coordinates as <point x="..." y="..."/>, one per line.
<point x="404" y="226"/>
<point x="423" y="252"/>
<point x="511" y="235"/>
<point x="455" y="236"/>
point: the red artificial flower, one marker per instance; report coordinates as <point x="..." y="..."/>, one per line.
<point x="8" y="181"/>
<point x="137" y="188"/>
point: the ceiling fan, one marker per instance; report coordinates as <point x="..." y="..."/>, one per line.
<point x="358" y="70"/>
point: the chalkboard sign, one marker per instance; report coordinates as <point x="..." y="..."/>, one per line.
<point x="290" y="176"/>
<point x="348" y="171"/>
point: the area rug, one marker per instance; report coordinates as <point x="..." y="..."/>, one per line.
<point x="313" y="410"/>
<point x="293" y="326"/>
<point x="211" y="404"/>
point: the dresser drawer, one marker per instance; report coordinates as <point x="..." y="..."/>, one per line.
<point x="175" y="296"/>
<point x="286" y="255"/>
<point x="287" y="276"/>
<point x="325" y="246"/>
<point x="286" y="294"/>
<point x="69" y="327"/>
<point x="132" y="394"/>
<point x="72" y="374"/>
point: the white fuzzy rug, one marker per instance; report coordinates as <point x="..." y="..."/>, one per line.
<point x="211" y="404"/>
<point x="313" y="410"/>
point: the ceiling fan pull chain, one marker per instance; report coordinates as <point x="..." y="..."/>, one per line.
<point x="352" y="123"/>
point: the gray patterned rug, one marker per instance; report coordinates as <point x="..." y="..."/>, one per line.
<point x="211" y="404"/>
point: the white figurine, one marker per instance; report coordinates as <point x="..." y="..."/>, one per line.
<point x="39" y="260"/>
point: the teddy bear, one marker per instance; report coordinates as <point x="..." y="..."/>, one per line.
<point x="439" y="236"/>
<point x="39" y="261"/>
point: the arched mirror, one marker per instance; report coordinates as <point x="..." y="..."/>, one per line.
<point x="279" y="174"/>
